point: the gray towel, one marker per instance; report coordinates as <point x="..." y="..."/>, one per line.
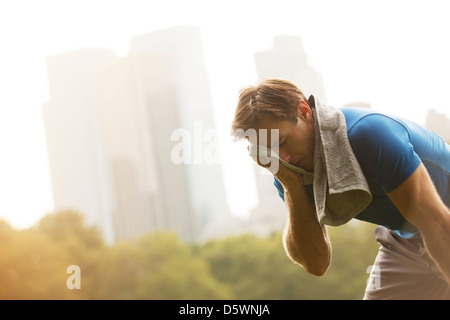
<point x="340" y="188"/>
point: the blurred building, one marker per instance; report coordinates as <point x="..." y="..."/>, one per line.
<point x="288" y="60"/>
<point x="137" y="115"/>
<point x="358" y="104"/>
<point x="109" y="123"/>
<point x="184" y="45"/>
<point x="439" y="123"/>
<point x="73" y="136"/>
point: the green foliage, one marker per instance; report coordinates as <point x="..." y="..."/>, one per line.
<point x="156" y="266"/>
<point x="258" y="268"/>
<point x="33" y="265"/>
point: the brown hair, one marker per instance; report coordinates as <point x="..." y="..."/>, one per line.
<point x="270" y="97"/>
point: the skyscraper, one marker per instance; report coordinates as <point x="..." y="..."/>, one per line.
<point x="439" y="123"/>
<point x="75" y="155"/>
<point x="137" y="114"/>
<point x="108" y="125"/>
<point x="184" y="45"/>
<point x="288" y="60"/>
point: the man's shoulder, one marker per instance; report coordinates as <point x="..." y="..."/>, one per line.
<point x="364" y="123"/>
<point x="382" y="145"/>
<point x="364" y="117"/>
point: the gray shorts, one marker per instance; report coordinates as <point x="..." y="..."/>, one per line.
<point x="403" y="270"/>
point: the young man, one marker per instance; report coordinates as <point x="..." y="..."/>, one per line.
<point x="407" y="169"/>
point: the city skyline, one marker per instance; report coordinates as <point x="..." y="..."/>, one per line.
<point x="397" y="66"/>
<point x="108" y="122"/>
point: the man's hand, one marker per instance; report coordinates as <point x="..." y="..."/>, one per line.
<point x="287" y="177"/>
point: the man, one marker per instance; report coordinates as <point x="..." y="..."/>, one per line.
<point x="408" y="172"/>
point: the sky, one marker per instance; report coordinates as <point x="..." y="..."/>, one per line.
<point x="392" y="54"/>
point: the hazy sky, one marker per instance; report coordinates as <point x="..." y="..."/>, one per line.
<point x="392" y="54"/>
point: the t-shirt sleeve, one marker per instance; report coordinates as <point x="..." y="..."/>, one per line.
<point x="279" y="187"/>
<point x="384" y="151"/>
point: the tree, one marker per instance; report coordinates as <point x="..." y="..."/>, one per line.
<point x="83" y="245"/>
<point x="32" y="267"/>
<point x="34" y="262"/>
<point x="258" y="268"/>
<point x="157" y="266"/>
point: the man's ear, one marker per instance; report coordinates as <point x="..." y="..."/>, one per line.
<point x="303" y="110"/>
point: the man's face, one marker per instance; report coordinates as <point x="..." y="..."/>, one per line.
<point x="296" y="140"/>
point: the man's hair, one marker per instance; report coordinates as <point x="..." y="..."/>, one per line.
<point x="276" y="98"/>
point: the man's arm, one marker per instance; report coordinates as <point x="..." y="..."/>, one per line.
<point x="304" y="238"/>
<point x="419" y="202"/>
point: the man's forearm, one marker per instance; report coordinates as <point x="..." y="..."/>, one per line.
<point x="305" y="239"/>
<point x="419" y="202"/>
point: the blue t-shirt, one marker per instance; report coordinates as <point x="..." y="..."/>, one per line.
<point x="389" y="149"/>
